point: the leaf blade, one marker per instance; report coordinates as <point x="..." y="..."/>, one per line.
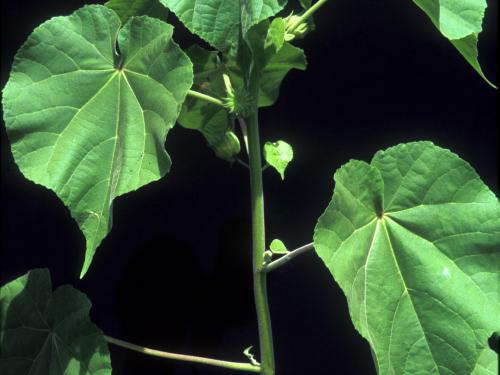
<point x="105" y="138"/>
<point x="278" y="154"/>
<point x="407" y="238"/>
<point x="221" y="23"/>
<point x="460" y="21"/>
<point x="130" y="8"/>
<point x="48" y="332"/>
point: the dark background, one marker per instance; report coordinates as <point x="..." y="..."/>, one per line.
<point x="175" y="274"/>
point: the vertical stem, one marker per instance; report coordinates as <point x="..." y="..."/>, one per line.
<point x="259" y="240"/>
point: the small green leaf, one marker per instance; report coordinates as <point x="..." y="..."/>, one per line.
<point x="90" y="124"/>
<point x="460" y="21"/>
<point x="129" y="8"/>
<point x="278" y="247"/>
<point x="278" y="155"/>
<point x="413" y="240"/>
<point x="220" y="22"/>
<point x="45" y="332"/>
<point x="275" y="36"/>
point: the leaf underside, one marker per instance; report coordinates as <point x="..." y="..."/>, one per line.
<point x="460" y="21"/>
<point x="89" y="123"/>
<point x="130" y="8"/>
<point x="44" y="332"/>
<point x="413" y="239"/>
<point x="223" y="22"/>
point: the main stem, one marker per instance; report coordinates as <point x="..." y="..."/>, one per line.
<point x="259" y="241"/>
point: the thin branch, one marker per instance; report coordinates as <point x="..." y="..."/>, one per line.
<point x="286" y="258"/>
<point x="205" y="97"/>
<point x="182" y="357"/>
<point x="308" y="13"/>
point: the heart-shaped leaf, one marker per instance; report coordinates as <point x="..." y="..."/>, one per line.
<point x="89" y="122"/>
<point x="460" y="21"/>
<point x="44" y="332"/>
<point x="413" y="240"/>
<point x="278" y="154"/>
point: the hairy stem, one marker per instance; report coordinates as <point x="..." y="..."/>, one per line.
<point x="205" y="97"/>
<point x="288" y="257"/>
<point x="182" y="357"/>
<point x="308" y="13"/>
<point x="259" y="243"/>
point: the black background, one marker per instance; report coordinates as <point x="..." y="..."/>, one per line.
<point x="175" y="274"/>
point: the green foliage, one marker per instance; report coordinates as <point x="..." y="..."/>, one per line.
<point x="460" y="21"/>
<point x="223" y="23"/>
<point x="44" y="332"/>
<point x="278" y="155"/>
<point x="287" y="58"/>
<point x="214" y="122"/>
<point x="88" y="106"/>
<point x="278" y="247"/>
<point x="129" y="8"/>
<point x="90" y="124"/>
<point x="413" y="240"/>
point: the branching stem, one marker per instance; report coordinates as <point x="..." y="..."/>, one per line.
<point x="207" y="98"/>
<point x="308" y="13"/>
<point x="286" y="258"/>
<point x="182" y="357"/>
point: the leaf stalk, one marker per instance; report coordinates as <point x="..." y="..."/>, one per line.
<point x="241" y="366"/>
<point x="288" y="257"/>
<point x="205" y="97"/>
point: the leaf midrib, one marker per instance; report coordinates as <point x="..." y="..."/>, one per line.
<point x="406" y="290"/>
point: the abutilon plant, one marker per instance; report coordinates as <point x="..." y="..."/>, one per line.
<point x="408" y="236"/>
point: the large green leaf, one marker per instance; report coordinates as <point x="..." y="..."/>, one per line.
<point x="48" y="333"/>
<point x="413" y="240"/>
<point x="461" y="22"/>
<point x="88" y="123"/>
<point x="130" y="8"/>
<point x="222" y="22"/>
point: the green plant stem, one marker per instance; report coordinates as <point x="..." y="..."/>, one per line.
<point x="259" y="241"/>
<point x="182" y="357"/>
<point x="308" y="13"/>
<point x="205" y="97"/>
<point x="288" y="257"/>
